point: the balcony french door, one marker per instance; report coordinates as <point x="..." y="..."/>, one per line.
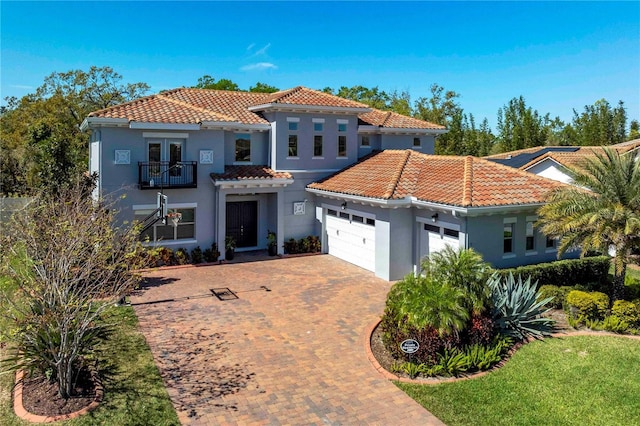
<point x="164" y="150"/>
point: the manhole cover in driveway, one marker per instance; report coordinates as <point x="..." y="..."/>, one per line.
<point x="223" y="293"/>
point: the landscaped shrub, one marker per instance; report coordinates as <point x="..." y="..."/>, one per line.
<point x="196" y="255"/>
<point x="558" y="295"/>
<point x="166" y="256"/>
<point x="182" y="256"/>
<point x="627" y="311"/>
<point x="481" y="330"/>
<point x="211" y="254"/>
<point x="291" y="246"/>
<point x="310" y="244"/>
<point x="464" y="270"/>
<point x="518" y="309"/>
<point x="590" y="306"/>
<point x="592" y="272"/>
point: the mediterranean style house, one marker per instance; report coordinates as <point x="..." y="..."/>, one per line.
<point x="302" y="162"/>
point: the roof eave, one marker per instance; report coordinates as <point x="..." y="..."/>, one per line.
<point x="377" y="202"/>
<point x="234" y="125"/>
<point x="149" y="125"/>
<point x="93" y="122"/>
<point x="309" y="108"/>
<point x="251" y="183"/>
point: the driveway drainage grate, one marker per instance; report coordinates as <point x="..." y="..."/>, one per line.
<point x="223" y="293"/>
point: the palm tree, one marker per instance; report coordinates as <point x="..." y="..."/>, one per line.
<point x="601" y="211"/>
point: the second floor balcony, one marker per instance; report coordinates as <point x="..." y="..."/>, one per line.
<point x="166" y="175"/>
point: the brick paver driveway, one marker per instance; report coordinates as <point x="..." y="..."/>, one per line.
<point x="291" y="355"/>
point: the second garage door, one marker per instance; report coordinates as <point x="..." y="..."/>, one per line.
<point x="352" y="237"/>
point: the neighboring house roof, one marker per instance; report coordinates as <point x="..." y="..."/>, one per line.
<point x="567" y="156"/>
<point x="450" y="180"/>
<point x="525" y="157"/>
<point x="198" y="106"/>
<point x="244" y="173"/>
<point x="394" y="120"/>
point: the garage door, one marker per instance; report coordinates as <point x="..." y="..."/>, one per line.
<point x="352" y="237"/>
<point x="434" y="239"/>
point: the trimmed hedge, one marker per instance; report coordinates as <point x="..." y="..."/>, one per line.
<point x="626" y="311"/>
<point x="591" y="272"/>
<point x="558" y="295"/>
<point x="591" y="306"/>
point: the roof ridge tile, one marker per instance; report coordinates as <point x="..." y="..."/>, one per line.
<point x="467" y="194"/>
<point x="393" y="184"/>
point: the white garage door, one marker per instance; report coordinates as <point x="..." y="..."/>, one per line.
<point x="352" y="237"/>
<point x="434" y="239"/>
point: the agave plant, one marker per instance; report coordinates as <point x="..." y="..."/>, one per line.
<point x="518" y="310"/>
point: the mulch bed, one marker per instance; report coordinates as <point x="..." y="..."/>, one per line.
<point x="39" y="396"/>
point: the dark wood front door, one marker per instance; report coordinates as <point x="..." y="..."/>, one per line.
<point x="242" y="222"/>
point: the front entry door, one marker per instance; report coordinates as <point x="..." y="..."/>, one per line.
<point x="242" y="222"/>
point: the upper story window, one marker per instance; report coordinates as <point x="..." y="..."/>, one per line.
<point x="292" y="123"/>
<point x="317" y="145"/>
<point x="342" y="146"/>
<point x="342" y="127"/>
<point x="293" y="145"/>
<point x="243" y="147"/>
<point x="365" y="141"/>
<point x="318" y="124"/>
<point x="417" y="142"/>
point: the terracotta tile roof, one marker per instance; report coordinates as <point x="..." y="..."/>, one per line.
<point x="194" y="106"/>
<point x="452" y="180"/>
<point x="160" y="109"/>
<point x="303" y="96"/>
<point x="394" y="120"/>
<point x="233" y="104"/>
<point x="249" y="173"/>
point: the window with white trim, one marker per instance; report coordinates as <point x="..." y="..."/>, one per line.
<point x="317" y="145"/>
<point x="550" y="243"/>
<point x="293" y="145"/>
<point x="508" y="238"/>
<point x="530" y="237"/>
<point x="365" y="141"/>
<point x="185" y="230"/>
<point x="342" y="146"/>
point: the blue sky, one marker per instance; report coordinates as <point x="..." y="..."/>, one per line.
<point x="558" y="55"/>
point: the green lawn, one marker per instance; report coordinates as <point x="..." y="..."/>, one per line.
<point x="578" y="380"/>
<point x="134" y="392"/>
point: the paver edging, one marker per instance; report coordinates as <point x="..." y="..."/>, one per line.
<point x="434" y="381"/>
<point x="18" y="406"/>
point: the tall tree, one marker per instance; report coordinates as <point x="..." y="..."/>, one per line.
<point x="440" y="107"/>
<point x="59" y="105"/>
<point x="263" y="88"/>
<point x="600" y="124"/>
<point x="601" y="211"/>
<point x="520" y="126"/>
<point x="634" y="130"/>
<point x="208" y="82"/>
<point x="373" y="97"/>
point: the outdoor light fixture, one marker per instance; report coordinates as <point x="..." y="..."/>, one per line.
<point x="434" y="218"/>
<point x="344" y="205"/>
